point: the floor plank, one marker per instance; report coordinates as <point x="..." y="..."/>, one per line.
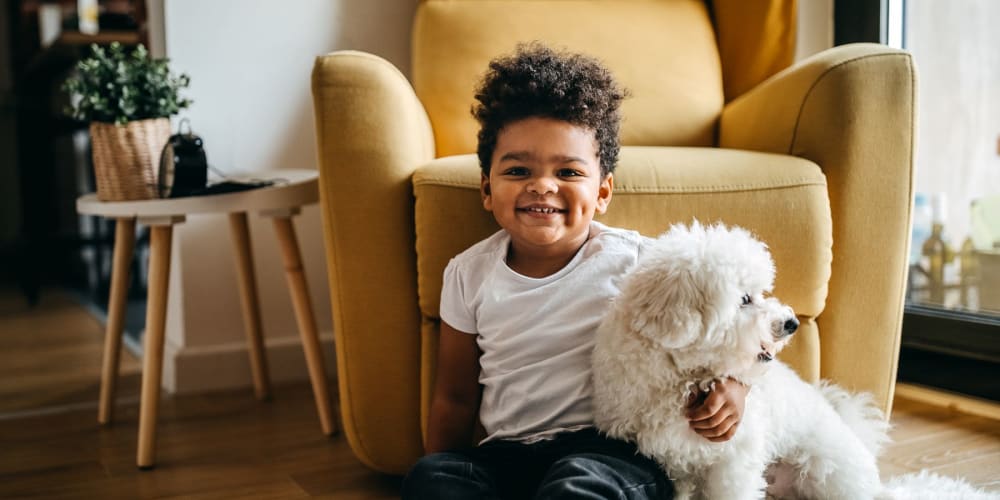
<point x="51" y="355"/>
<point x="944" y="441"/>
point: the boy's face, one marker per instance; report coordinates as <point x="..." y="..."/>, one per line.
<point x="545" y="185"/>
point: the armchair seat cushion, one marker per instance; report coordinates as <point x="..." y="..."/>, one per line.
<point x="782" y="199"/>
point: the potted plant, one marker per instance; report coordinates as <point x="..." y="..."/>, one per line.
<point x="128" y="97"/>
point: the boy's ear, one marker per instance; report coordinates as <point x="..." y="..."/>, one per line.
<point x="604" y="193"/>
<point x="484" y="190"/>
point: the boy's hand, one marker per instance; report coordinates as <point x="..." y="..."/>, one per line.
<point x="716" y="415"/>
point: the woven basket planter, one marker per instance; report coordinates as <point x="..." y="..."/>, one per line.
<point x="127" y="158"/>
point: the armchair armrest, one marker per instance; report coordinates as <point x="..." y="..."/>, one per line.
<point x="372" y="132"/>
<point x="851" y="110"/>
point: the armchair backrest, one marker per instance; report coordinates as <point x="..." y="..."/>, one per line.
<point x="663" y="51"/>
<point x="681" y="59"/>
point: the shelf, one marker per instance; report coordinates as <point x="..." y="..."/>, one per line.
<point x="101" y="38"/>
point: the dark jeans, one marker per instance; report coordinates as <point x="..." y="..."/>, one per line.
<point x="582" y="464"/>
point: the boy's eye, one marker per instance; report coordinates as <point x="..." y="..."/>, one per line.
<point x="747" y="300"/>
<point x="568" y="172"/>
<point x="516" y="171"/>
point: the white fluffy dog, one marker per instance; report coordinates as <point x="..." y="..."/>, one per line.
<point x="694" y="311"/>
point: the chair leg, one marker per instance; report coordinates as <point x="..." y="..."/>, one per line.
<point x="240" y="230"/>
<point x="306" y="321"/>
<point x="124" y="246"/>
<point x="156" y="309"/>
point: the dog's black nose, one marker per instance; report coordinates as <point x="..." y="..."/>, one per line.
<point x="790" y="326"/>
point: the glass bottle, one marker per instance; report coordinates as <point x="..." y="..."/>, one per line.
<point x="968" y="273"/>
<point x="937" y="252"/>
<point x="922" y="220"/>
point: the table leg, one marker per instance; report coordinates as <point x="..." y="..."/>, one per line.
<point x="306" y="321"/>
<point x="156" y="309"/>
<point x="118" y="297"/>
<point x="251" y="309"/>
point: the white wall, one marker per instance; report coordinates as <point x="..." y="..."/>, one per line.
<point x="815" y="29"/>
<point x="250" y="63"/>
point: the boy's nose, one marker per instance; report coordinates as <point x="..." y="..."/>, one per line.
<point x="543" y="185"/>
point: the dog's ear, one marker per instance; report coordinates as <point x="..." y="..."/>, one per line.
<point x="663" y="306"/>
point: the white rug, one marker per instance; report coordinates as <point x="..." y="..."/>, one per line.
<point x="928" y="486"/>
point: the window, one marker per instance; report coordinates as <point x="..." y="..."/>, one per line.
<point x="951" y="327"/>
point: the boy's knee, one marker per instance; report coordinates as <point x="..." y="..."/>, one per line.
<point x="601" y="477"/>
<point x="429" y="465"/>
<point x="442" y="476"/>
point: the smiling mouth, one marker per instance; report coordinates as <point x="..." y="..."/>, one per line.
<point x="541" y="210"/>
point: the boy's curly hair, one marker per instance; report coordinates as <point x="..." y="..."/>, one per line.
<point x="537" y="81"/>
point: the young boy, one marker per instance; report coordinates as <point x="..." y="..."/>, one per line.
<point x="519" y="309"/>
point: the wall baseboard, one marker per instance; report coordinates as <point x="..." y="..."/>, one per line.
<point x="956" y="402"/>
<point x="191" y="370"/>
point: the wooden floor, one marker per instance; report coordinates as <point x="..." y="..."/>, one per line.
<point x="228" y="445"/>
<point x="50" y="356"/>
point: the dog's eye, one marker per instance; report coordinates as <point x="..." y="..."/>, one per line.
<point x="747" y="300"/>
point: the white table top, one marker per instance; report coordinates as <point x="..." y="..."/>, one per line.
<point x="301" y="188"/>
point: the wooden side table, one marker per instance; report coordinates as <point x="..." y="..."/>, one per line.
<point x="280" y="203"/>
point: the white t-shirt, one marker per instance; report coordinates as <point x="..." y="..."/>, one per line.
<point x="536" y="334"/>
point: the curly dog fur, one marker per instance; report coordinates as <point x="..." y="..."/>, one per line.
<point x="697" y="309"/>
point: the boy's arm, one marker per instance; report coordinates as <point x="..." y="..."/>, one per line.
<point x="717" y="417"/>
<point x="455" y="402"/>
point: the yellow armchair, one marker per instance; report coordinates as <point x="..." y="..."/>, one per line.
<point x="815" y="158"/>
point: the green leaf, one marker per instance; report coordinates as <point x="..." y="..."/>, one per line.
<point x="117" y="84"/>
